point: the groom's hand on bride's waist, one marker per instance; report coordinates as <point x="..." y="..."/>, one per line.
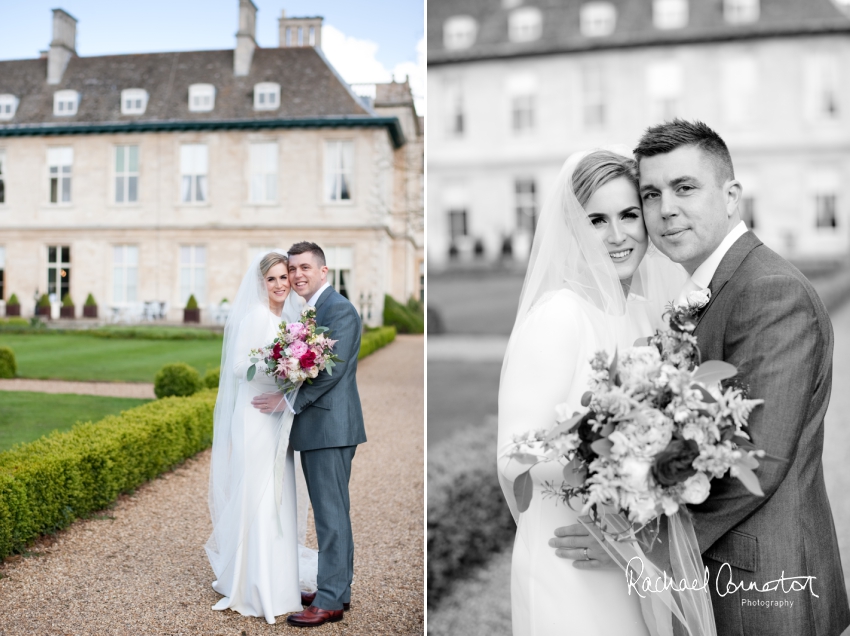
<point x="270" y="403"/>
<point x="574" y="542"/>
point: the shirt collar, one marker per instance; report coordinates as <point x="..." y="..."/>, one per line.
<point x="705" y="272"/>
<point x="315" y="297"/>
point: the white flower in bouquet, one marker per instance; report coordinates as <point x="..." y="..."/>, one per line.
<point x="634" y="473"/>
<point x="695" y="489"/>
<point x="639" y="366"/>
<point x="641" y="506"/>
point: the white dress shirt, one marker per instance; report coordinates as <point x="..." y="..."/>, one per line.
<point x="701" y="278"/>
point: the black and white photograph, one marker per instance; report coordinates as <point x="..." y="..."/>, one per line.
<point x="638" y="258"/>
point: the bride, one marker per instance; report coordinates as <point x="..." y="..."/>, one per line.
<point x="593" y="283"/>
<point x="256" y="548"/>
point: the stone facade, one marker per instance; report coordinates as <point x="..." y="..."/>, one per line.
<point x="370" y="234"/>
<point x="776" y="88"/>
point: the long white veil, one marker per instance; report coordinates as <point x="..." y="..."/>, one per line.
<point x="567" y="254"/>
<point x="249" y="314"/>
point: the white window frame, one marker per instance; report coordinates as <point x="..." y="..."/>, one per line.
<point x="823" y="184"/>
<point x="594" y="103"/>
<point x="194" y="165"/>
<point x="3" y="171"/>
<point x="526" y="204"/>
<point x="263" y="165"/>
<point x="335" y="156"/>
<point x="8" y="106"/>
<point x="311" y="37"/>
<point x="740" y="81"/>
<point x="525" y="24"/>
<point x="60" y="167"/>
<point x="741" y="11"/>
<point x="134" y="101"/>
<point x="459" y="32"/>
<point x="670" y="14"/>
<point x="266" y="96"/>
<point x="822" y="84"/>
<point x="455" y="115"/>
<point x="66" y="103"/>
<point x="125" y="274"/>
<point x="664" y="79"/>
<point x="201" y="98"/>
<point x="522" y="92"/>
<point x="126" y="180"/>
<point x="193" y="273"/>
<point x="59" y="266"/>
<point x="597" y="19"/>
<point x="340" y="262"/>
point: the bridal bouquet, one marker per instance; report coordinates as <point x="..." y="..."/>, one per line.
<point x="298" y="353"/>
<point x="658" y="427"/>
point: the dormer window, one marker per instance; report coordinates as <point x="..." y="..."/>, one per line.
<point x="8" y="106"/>
<point x="670" y="14"/>
<point x="740" y="11"/>
<point x="525" y="24"/>
<point x="598" y="19"/>
<point x="266" y="96"/>
<point x="459" y="32"/>
<point x="201" y="98"/>
<point x="65" y="103"/>
<point x="134" y="101"/>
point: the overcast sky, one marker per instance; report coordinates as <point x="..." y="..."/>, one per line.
<point x="366" y="40"/>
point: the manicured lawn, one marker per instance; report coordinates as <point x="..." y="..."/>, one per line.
<point x="73" y="357"/>
<point x="25" y="416"/>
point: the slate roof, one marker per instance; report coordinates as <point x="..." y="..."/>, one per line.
<point x="634" y="26"/>
<point x="310" y="90"/>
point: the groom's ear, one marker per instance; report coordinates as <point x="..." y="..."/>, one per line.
<point x="733" y="192"/>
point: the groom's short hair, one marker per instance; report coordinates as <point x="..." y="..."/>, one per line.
<point x="667" y="137"/>
<point x="304" y="247"/>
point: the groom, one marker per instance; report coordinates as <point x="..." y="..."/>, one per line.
<point x="327" y="427"/>
<point x="765" y="318"/>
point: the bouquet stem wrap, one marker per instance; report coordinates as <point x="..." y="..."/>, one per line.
<point x="679" y="605"/>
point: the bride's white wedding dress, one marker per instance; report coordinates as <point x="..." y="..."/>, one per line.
<point x="548" y="365"/>
<point x="260" y="565"/>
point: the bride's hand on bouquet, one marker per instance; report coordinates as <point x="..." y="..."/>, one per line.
<point x="574" y="542"/>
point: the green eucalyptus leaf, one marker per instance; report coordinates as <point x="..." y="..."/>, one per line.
<point x="523" y="490"/>
<point x="252" y="370"/>
<point x="750" y="481"/>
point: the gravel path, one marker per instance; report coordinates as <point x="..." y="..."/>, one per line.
<point x="109" y="389"/>
<point x="140" y="568"/>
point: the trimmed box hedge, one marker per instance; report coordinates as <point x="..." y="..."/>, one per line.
<point x="47" y="484"/>
<point x="468" y="517"/>
<point x="405" y="319"/>
<point x="373" y="340"/>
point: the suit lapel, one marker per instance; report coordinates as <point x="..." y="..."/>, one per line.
<point x="728" y="266"/>
<point x="324" y="297"/>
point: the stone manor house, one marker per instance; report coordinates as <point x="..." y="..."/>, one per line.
<point x="516" y="86"/>
<point x="144" y="179"/>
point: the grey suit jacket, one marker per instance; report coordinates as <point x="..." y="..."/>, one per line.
<point x="765" y="318"/>
<point x="328" y="412"/>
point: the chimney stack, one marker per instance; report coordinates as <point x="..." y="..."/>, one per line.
<point x="246" y="40"/>
<point x="62" y="46"/>
<point x="300" y="31"/>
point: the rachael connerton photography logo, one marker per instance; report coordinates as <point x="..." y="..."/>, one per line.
<point x="635" y="580"/>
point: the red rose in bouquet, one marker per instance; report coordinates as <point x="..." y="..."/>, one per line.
<point x="308" y="360"/>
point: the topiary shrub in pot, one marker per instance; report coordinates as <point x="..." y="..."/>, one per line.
<point x="8" y="364"/>
<point x="13" y="307"/>
<point x="43" y="307"/>
<point x="90" y="307"/>
<point x="67" y="310"/>
<point x="177" y="379"/>
<point x="192" y="313"/>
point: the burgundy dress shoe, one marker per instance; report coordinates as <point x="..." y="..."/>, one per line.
<point x="307" y="599"/>
<point x="314" y="616"/>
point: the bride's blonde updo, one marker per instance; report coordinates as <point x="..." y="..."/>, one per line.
<point x="270" y="260"/>
<point x="598" y="168"/>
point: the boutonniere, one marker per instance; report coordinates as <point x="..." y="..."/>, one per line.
<point x="694" y="302"/>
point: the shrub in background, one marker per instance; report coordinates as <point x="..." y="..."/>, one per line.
<point x="13" y="301"/>
<point x="66" y="301"/>
<point x="8" y="364"/>
<point x="468" y="518"/>
<point x="212" y="377"/>
<point x="177" y="379"/>
<point x="374" y="339"/>
<point x="90" y="301"/>
<point x="192" y="303"/>
<point x="401" y="317"/>
<point x="45" y="485"/>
